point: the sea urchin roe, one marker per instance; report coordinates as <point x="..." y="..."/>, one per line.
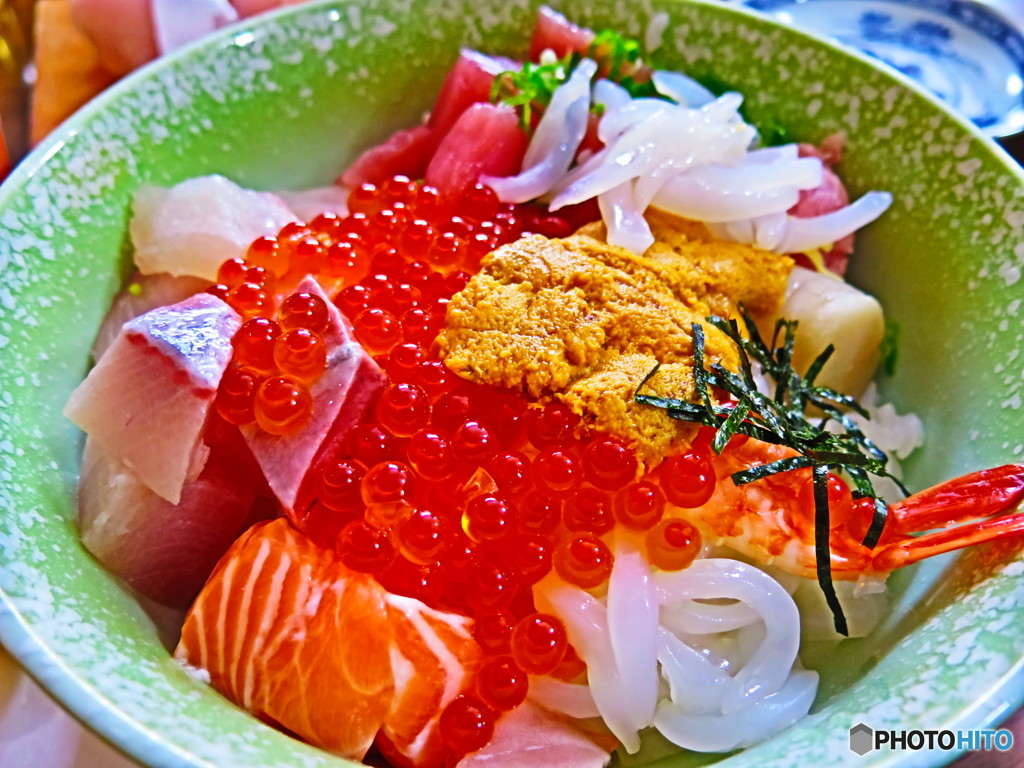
<point x="582" y="321"/>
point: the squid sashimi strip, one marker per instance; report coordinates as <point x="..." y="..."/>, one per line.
<point x="554" y="143"/>
<point x="586" y="623"/>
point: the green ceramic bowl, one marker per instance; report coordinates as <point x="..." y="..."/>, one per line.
<point x="286" y="101"/>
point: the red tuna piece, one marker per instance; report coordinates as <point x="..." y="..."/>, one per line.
<point x="556" y="33"/>
<point x="829" y="196"/>
<point x="468" y="82"/>
<point x="485" y="140"/>
<point x="146" y="401"/>
<point x="406" y="152"/>
<point x="341" y="395"/>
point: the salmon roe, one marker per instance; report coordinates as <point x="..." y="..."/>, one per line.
<point x="458" y="494"/>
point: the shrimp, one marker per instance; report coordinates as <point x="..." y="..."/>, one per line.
<point x="772" y="519"/>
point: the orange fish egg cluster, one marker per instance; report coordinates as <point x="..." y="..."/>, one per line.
<point x="458" y="494"/>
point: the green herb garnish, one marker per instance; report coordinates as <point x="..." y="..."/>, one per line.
<point x="618" y="59"/>
<point x="532" y="86"/>
<point x="781" y="420"/>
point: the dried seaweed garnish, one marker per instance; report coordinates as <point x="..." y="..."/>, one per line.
<point x="782" y="420"/>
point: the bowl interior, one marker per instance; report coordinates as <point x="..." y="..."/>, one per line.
<point x="284" y="102"/>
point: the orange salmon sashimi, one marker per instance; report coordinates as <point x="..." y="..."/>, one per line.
<point x="287" y="632"/>
<point x="433" y="657"/>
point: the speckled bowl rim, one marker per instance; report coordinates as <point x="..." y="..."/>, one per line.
<point x="147" y="745"/>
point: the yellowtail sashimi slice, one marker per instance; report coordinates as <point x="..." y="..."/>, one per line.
<point x="341" y="395"/>
<point x="141" y="294"/>
<point x="165" y="551"/>
<point x="146" y="401"/>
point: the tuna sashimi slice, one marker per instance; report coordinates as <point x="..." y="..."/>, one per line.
<point x="192" y="228"/>
<point x="340" y="397"/>
<point x="146" y="401"/>
<point x="530" y="735"/>
<point x="165" y="551"/>
<point x="286" y="631"/>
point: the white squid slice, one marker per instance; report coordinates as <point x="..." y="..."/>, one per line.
<point x="610" y="95"/>
<point x="695" y="618"/>
<point x="721" y="733"/>
<point x="695" y="686"/>
<point x="555" y="142"/>
<point x="586" y="623"/>
<point x="770" y="665"/>
<point x="681" y="89"/>
<point x="820" y="231"/>
<point x="633" y="630"/>
<point x="627" y="227"/>
<point x="693" y="198"/>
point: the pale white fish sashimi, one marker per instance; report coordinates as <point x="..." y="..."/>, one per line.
<point x="352" y="380"/>
<point x="147" y="399"/>
<point x="307" y="204"/>
<point x="165" y="551"/>
<point x="572" y="699"/>
<point x="195" y="226"/>
<point x="531" y="736"/>
<point x="140" y="294"/>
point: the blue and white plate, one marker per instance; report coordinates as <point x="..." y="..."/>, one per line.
<point x="968" y="53"/>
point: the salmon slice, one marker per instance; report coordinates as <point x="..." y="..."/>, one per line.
<point x="147" y="400"/>
<point x="433" y="657"/>
<point x="288" y="633"/>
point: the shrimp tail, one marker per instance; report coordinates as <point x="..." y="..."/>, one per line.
<point x="967" y="510"/>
